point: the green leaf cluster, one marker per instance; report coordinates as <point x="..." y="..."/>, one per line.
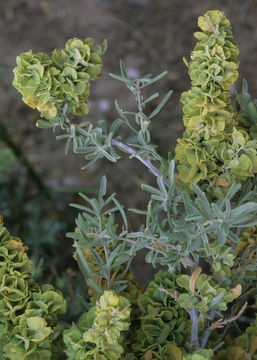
<point x="28" y="312"/>
<point x="101" y="341"/>
<point x="50" y="83"/>
<point x="207" y="294"/>
<point x="245" y="269"/>
<point x="247" y="110"/>
<point x="163" y="321"/>
<point x="76" y="347"/>
<point x="100" y="252"/>
<point x="214" y="149"/>
<point x="200" y="354"/>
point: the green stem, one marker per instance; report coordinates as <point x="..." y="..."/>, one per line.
<point x="6" y="137"/>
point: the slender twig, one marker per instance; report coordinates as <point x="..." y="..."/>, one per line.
<point x="150" y="247"/>
<point x="6" y="137"/>
<point x="147" y="163"/>
<point x="174" y="294"/>
<point x="221" y="322"/>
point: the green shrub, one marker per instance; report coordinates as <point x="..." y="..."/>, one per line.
<point x="199" y="224"/>
<point x="28" y="312"/>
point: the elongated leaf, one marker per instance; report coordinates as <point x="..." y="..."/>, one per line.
<point x="85" y="269"/>
<point x="151" y="189"/>
<point x="232" y="236"/>
<point x="216" y="300"/>
<point x="91" y="219"/>
<point x="82" y="224"/>
<point x="202" y="199"/>
<point x="96" y="287"/>
<point x="82" y="207"/>
<point x="162" y="186"/>
<point x="116" y="125"/>
<point x="152" y="97"/>
<point x="122" y="213"/>
<point x="161" y="105"/>
<point x="62" y="137"/>
<point x="221" y="236"/>
<point x="251" y="109"/>
<point x="95" y="158"/>
<point x="102" y="190"/>
<point x="85" y="197"/>
<point x="123" y="69"/>
<point x="171" y="172"/>
<point x="217" y="211"/>
<point x="117" y="77"/>
<point x="120" y="260"/>
<point x="111" y="257"/>
<point x="42" y="124"/>
<point x="99" y="260"/>
<point x="67" y="147"/>
<point x="137" y="211"/>
<point x="156" y="78"/>
<point x="242" y="210"/>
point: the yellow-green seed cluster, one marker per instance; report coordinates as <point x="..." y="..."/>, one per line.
<point x="163" y="321"/>
<point x="214" y="149"/>
<point x="48" y="83"/>
<point x="28" y="313"/>
<point x="101" y="341"/>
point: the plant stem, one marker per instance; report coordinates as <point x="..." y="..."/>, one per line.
<point x="207" y="332"/>
<point x="205" y="338"/>
<point x="194" y="329"/>
<point x="147" y="163"/>
<point x="6" y="137"/>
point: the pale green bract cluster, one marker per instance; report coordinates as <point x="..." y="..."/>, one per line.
<point x="200" y="354"/>
<point x="28" y="313"/>
<point x="207" y="295"/>
<point x="214" y="149"/>
<point x="101" y="341"/>
<point x="163" y="320"/>
<point x="49" y="83"/>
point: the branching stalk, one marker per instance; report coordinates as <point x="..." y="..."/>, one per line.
<point x="207" y="332"/>
<point x="147" y="163"/>
<point x="194" y="329"/>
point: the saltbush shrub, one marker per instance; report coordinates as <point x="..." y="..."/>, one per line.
<point x="199" y="225"/>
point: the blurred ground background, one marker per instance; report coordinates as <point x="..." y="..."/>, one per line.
<point x="150" y="36"/>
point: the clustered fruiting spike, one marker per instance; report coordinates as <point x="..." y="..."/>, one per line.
<point x="214" y="149"/>
<point x="222" y="268"/>
<point x="200" y="354"/>
<point x="28" y="313"/>
<point x="108" y="319"/>
<point x="49" y="83"/>
<point x="245" y="261"/>
<point x="206" y="290"/>
<point x="248" y="239"/>
<point x="163" y="321"/>
<point x="76" y="348"/>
